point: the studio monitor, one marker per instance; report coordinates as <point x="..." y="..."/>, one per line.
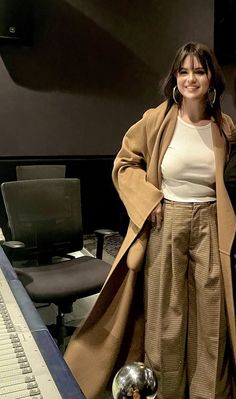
<point x="16" y="21"/>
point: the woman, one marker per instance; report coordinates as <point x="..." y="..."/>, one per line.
<point x="169" y="173"/>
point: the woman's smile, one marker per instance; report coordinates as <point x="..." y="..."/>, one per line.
<point x="192" y="80"/>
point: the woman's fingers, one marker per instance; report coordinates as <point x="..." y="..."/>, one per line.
<point x="155" y="216"/>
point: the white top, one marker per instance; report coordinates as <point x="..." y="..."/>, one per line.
<point x="188" y="167"/>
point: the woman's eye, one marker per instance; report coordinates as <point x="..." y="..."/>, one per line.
<point x="195" y="72"/>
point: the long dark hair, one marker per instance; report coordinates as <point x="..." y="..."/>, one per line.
<point x="209" y="62"/>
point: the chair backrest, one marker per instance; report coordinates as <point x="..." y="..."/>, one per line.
<point x="45" y="214"/>
<point x="28" y="172"/>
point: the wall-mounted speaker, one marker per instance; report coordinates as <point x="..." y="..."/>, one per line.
<point x="224" y="30"/>
<point x="16" y="22"/>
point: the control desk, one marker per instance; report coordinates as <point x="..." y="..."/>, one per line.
<point x="31" y="365"/>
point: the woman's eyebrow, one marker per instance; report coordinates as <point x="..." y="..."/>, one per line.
<point x="195" y="69"/>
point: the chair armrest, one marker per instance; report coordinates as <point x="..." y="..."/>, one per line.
<point x="12" y="247"/>
<point x="100" y="235"/>
<point x="13" y="244"/>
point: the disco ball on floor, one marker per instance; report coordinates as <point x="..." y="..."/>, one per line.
<point x="136" y="381"/>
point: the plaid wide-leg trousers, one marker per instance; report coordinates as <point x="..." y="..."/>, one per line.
<point x="185" y="329"/>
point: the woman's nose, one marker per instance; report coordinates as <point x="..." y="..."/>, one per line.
<point x="191" y="76"/>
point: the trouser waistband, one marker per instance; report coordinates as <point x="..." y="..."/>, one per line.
<point x="166" y="201"/>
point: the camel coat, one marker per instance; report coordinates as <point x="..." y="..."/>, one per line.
<point x="114" y="330"/>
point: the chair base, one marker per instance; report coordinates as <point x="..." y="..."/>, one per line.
<point x="60" y="333"/>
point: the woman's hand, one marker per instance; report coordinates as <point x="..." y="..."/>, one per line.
<point x="155" y="216"/>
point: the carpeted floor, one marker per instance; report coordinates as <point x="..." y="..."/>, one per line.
<point x="111" y="244"/>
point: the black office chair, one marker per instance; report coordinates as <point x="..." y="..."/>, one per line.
<point x="31" y="172"/>
<point x="28" y="172"/>
<point x="45" y="214"/>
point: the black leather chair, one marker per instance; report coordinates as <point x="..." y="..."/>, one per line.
<point x="44" y="216"/>
<point x="28" y="172"/>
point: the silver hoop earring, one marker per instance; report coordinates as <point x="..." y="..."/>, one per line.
<point x="174" y="94"/>
<point x="212" y="96"/>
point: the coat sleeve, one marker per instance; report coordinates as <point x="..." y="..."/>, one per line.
<point x="130" y="173"/>
<point x="229" y="128"/>
<point x="230" y="177"/>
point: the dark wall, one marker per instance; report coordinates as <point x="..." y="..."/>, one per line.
<point x="75" y="91"/>
<point x="93" y="69"/>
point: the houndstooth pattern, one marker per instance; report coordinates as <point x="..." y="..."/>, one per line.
<point x="185" y="333"/>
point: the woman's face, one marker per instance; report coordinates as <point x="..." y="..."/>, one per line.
<point x="192" y="80"/>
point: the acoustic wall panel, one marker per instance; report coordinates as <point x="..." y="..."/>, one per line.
<point x="224" y="30"/>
